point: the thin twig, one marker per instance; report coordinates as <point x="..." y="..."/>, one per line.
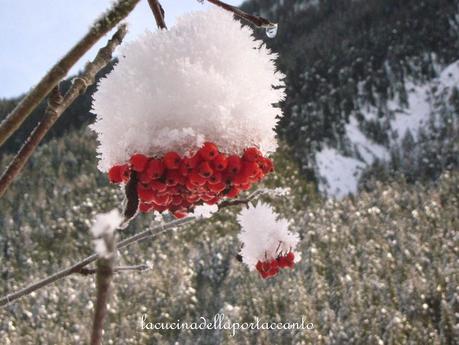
<point x="104" y="277"/>
<point x="252" y="19"/>
<point x="158" y="12"/>
<point x="102" y="26"/>
<point x="89" y="271"/>
<point x="57" y="105"/>
<point x="146" y="234"/>
<point x="76" y="268"/>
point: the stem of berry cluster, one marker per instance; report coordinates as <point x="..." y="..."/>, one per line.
<point x="57" y="105"/>
<point x="102" y="26"/>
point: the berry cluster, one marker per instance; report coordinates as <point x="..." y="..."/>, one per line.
<point x="270" y="268"/>
<point x="178" y="184"/>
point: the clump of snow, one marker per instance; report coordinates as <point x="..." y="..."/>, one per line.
<point x="105" y="224"/>
<point x="205" y="211"/>
<point x="205" y="79"/>
<point x="263" y="235"/>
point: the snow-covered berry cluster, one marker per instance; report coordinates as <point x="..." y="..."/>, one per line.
<point x="178" y="184"/>
<point x="267" y="244"/>
<point x="269" y="268"/>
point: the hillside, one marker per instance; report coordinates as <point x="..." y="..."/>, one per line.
<point x="369" y="83"/>
<point x="379" y="268"/>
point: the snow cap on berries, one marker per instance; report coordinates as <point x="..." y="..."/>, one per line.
<point x="206" y="79"/>
<point x="264" y="236"/>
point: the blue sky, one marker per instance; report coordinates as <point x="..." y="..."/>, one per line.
<point x="35" y="34"/>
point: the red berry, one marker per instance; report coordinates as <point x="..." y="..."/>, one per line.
<point x="233" y="192"/>
<point x="177" y="200"/>
<point x="155" y="169"/>
<point x="205" y="170"/>
<point x="184" y="169"/>
<point x="172" y="178"/>
<point x="266" y="165"/>
<point x="209" y="151"/>
<point x="145" y="194"/>
<point x="258" y="266"/>
<point x="282" y="261"/>
<point x="215" y="178"/>
<point x="159" y="208"/>
<point x="180" y="214"/>
<point x="158" y="186"/>
<point x="251" y="154"/>
<point x="162" y="200"/>
<point x="234" y="164"/>
<point x="241" y="178"/>
<point x="196" y="179"/>
<point x="290" y="257"/>
<point x="217" y="188"/>
<point x="115" y="174"/>
<point x="144" y="177"/>
<point x="192" y="198"/>
<point x="207" y="196"/>
<point x="193" y="161"/>
<point x="139" y="162"/>
<point x="172" y="160"/>
<point x="245" y="186"/>
<point x="190" y="186"/>
<point x="213" y="201"/>
<point x="265" y="266"/>
<point x="144" y="208"/>
<point x="220" y="162"/>
<point x="250" y="169"/>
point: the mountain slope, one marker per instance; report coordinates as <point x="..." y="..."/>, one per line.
<point x="359" y="75"/>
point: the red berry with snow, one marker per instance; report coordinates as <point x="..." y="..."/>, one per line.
<point x="115" y="174"/>
<point x="172" y="160"/>
<point x="251" y="154"/>
<point x="220" y="162"/>
<point x="138" y="162"/>
<point x="209" y="151"/>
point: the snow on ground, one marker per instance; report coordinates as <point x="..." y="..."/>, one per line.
<point x="339" y="175"/>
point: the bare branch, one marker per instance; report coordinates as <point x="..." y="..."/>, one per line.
<point x="158" y="12"/>
<point x="57" y="105"/>
<point x="102" y="26"/>
<point x="104" y="277"/>
<point x="146" y="234"/>
<point x="252" y="19"/>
